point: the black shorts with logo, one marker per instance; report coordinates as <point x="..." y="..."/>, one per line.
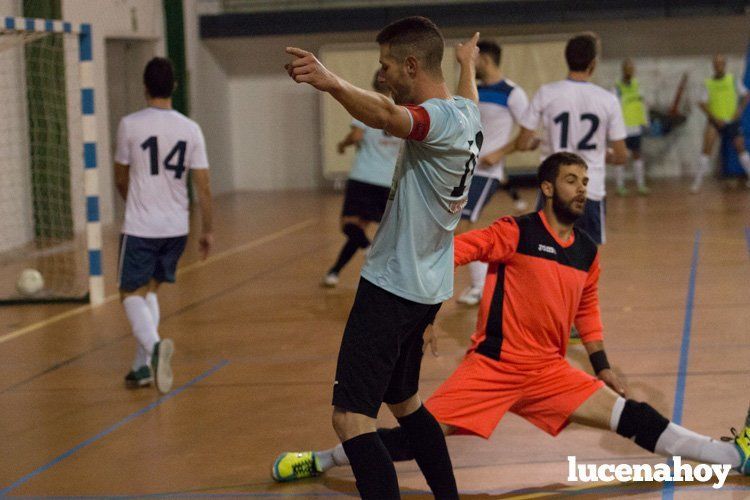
<point x="365" y="200"/>
<point x="381" y="350"/>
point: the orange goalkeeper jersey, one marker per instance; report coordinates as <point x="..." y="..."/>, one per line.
<point x="537" y="287"/>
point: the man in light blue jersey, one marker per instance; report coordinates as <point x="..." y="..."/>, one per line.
<point x="368" y="185"/>
<point x="409" y="270"/>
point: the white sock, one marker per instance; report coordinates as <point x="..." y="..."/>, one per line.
<point x="478" y="271"/>
<point x="614" y="419"/>
<point x="640" y="173"/>
<point x="328" y="459"/>
<point x="141" y="321"/>
<point x="677" y="441"/>
<point x="141" y="357"/>
<point x="704" y="166"/>
<point x="745" y="162"/>
<point x="620" y="176"/>
<point x="153" y="305"/>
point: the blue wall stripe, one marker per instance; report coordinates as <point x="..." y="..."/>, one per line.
<point x="89" y="154"/>
<point x="49" y="26"/>
<point x="111" y="429"/>
<point x="29" y="24"/>
<point x="92" y="208"/>
<point x="95" y="263"/>
<point x="679" y="393"/>
<point x="67" y="27"/>
<point x="87" y="101"/>
<point x="10" y="23"/>
<point x="84" y="43"/>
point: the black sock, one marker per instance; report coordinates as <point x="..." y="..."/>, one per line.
<point x="397" y="443"/>
<point x="345" y="255"/>
<point x="372" y="467"/>
<point x="512" y="191"/>
<point x="428" y="444"/>
<point x="642" y="423"/>
<point x="356" y="235"/>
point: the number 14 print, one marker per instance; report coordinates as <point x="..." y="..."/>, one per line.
<point x="179" y="149"/>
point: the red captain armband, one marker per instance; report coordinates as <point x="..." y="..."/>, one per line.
<point x="420" y="123"/>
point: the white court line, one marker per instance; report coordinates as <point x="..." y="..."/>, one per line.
<point x="192" y="267"/>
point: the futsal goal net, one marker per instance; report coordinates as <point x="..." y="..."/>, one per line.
<point x="50" y="235"/>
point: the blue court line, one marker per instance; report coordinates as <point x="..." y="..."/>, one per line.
<point x="112" y="428"/>
<point x="679" y="392"/>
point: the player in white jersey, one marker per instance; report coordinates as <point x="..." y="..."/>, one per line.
<point x="583" y="118"/>
<point x="501" y="105"/>
<point x="368" y="185"/>
<point x="155" y="149"/>
<point x="409" y="269"/>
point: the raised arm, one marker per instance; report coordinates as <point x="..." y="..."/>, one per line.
<point x="466" y="55"/>
<point x="371" y="108"/>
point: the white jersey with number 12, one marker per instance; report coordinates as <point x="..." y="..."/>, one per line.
<point x="579" y="117"/>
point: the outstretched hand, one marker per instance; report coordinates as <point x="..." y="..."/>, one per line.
<point x="613" y="381"/>
<point x="468" y="51"/>
<point x="306" y="68"/>
<point x="430" y="338"/>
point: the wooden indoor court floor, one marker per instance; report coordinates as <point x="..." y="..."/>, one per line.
<point x="257" y="339"/>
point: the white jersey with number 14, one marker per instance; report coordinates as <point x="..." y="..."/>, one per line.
<point x="159" y="145"/>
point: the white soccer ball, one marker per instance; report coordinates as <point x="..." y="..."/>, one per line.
<point x="30" y="282"/>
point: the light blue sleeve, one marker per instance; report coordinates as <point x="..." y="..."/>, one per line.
<point x="444" y="126"/>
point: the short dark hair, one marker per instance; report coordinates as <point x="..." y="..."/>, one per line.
<point x="492" y="49"/>
<point x="414" y="36"/>
<point x="550" y="167"/>
<point x="580" y="51"/>
<point x="158" y="77"/>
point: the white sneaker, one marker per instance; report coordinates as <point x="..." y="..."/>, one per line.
<point x="471" y="296"/>
<point x="520" y="205"/>
<point x="331" y="280"/>
<point x="161" y="364"/>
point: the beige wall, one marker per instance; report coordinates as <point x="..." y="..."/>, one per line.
<point x="261" y="96"/>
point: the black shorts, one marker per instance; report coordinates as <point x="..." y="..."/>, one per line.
<point x="633" y="143"/>
<point x="143" y="259"/>
<point x="592" y="220"/>
<point x="481" y="190"/>
<point x="365" y="200"/>
<point x="381" y="351"/>
<point x="731" y="130"/>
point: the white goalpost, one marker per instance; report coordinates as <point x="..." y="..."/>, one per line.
<point x="50" y="232"/>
